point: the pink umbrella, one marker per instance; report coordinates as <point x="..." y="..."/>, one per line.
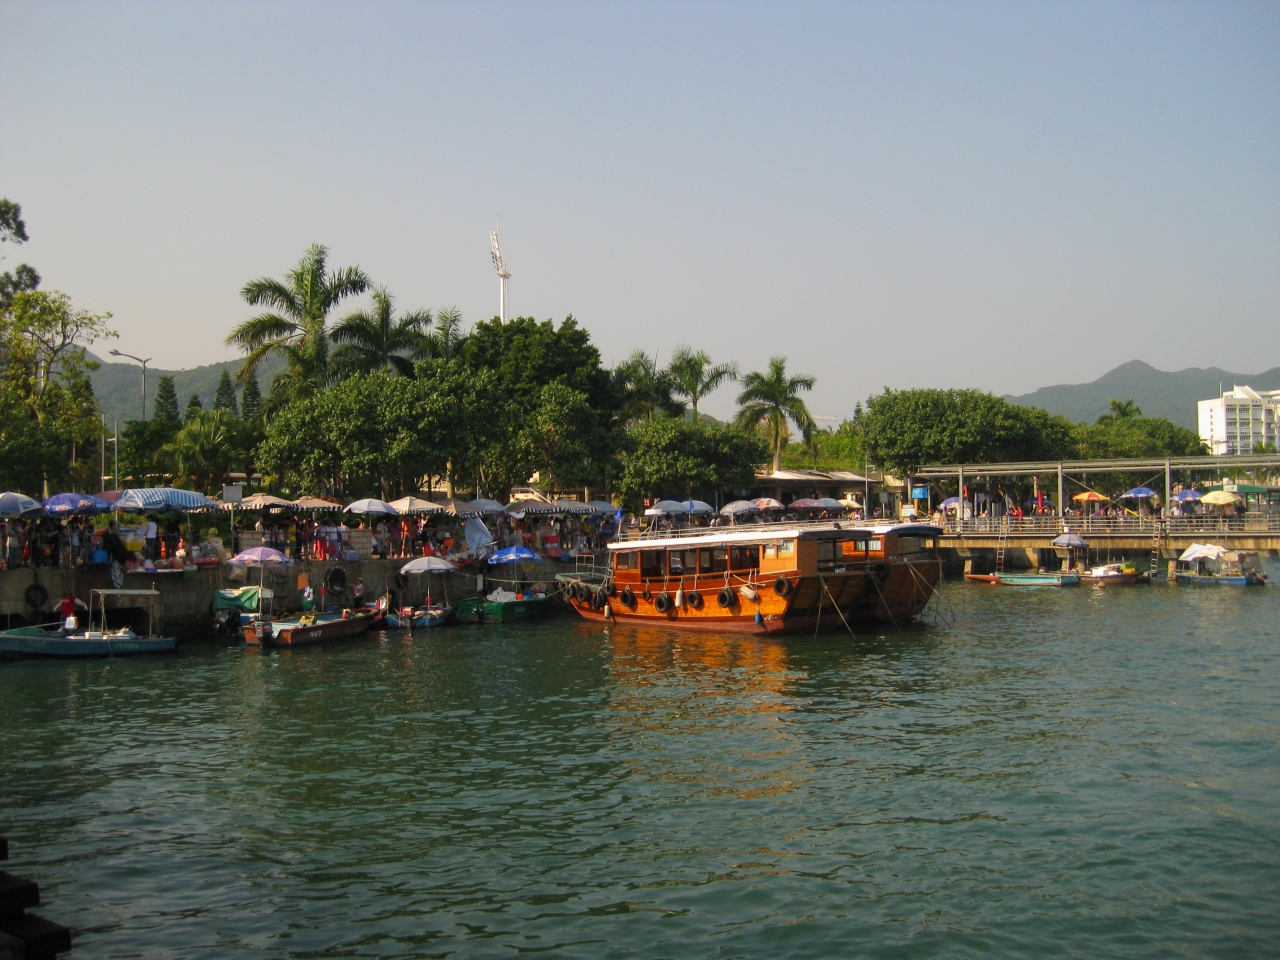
<point x="258" y="556"/>
<point x="768" y="503"/>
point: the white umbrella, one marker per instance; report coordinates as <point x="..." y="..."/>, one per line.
<point x="428" y="565"/>
<point x="372" y="506"/>
<point x="699" y="507"/>
<point x="667" y="508"/>
<point x="484" y="505"/>
<point x="572" y="506"/>
<point x="416" y="505"/>
<point x="17" y="505"/>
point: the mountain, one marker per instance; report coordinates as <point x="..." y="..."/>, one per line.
<point x="118" y="386"/>
<point x="1158" y="392"/>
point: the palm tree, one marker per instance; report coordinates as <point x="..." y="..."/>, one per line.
<point x="647" y="389"/>
<point x="769" y="400"/>
<point x="376" y="340"/>
<point x="294" y="325"/>
<point x="693" y="376"/>
<point x="204" y="449"/>
<point x="447" y="338"/>
<point x="1121" y="410"/>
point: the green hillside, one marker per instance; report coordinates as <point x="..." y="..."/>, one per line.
<point x="1159" y="393"/>
<point x="118" y="386"/>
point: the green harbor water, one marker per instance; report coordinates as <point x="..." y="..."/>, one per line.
<point x="1053" y="773"/>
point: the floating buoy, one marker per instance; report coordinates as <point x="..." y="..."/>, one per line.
<point x="748" y="592"/>
<point x="759" y="619"/>
<point x="608" y="611"/>
<point x="679" y="598"/>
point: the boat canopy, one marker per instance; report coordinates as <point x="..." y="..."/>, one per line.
<point x="1203" y="551"/>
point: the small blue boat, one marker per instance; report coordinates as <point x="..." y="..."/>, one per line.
<point x="1209" y="564"/>
<point x="1027" y="579"/>
<point x="50" y="640"/>
<point x="421" y="619"/>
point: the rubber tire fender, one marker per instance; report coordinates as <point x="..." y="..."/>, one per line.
<point x="662" y="603"/>
<point x="597" y="599"/>
<point x="36" y="596"/>
<point x="628" y="597"/>
<point x="782" y="586"/>
<point x="694" y="599"/>
<point x="335" y="581"/>
<point x="647" y="594"/>
<point x="881" y="572"/>
<point x="726" y="597"/>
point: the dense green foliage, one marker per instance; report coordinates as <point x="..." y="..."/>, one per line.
<point x="671" y="456"/>
<point x="770" y="401"/>
<point x="225" y="398"/>
<point x="23" y="278"/>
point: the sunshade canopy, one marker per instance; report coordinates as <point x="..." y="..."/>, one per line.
<point x="602" y="506"/>
<point x="829" y="503"/>
<point x="804" y="503"/>
<point x="17" y="505"/>
<point x="459" y="508"/>
<point x="1185" y="495"/>
<point x="514" y="555"/>
<point x="1203" y="551"/>
<point x="428" y="565"/>
<point x="74" y="504"/>
<point x="264" y="501"/>
<point x="738" y="507"/>
<point x="163" y="500"/>
<point x="259" y="556"/>
<point x="768" y="503"/>
<point x="1219" y="498"/>
<point x="1090" y="496"/>
<point x="316" y="503"/>
<point x="372" y="506"/>
<point x="1138" y="493"/>
<point x="519" y="508"/>
<point x="700" y="507"/>
<point x="573" y="506"/>
<point x="1071" y="541"/>
<point x="484" y="505"/>
<point x="667" y="508"/>
<point x="416" y="505"/>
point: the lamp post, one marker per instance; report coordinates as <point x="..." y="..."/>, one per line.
<point x="117" y="353"/>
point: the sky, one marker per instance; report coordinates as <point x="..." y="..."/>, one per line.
<point x="993" y="195"/>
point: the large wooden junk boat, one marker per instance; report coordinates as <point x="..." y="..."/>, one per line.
<point x="766" y="578"/>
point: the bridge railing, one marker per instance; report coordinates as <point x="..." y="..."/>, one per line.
<point x="1114" y="526"/>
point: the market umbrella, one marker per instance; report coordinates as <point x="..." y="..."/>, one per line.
<point x="515" y="555"/>
<point x="428" y="565"/>
<point x="1138" y="493"/>
<point x="110" y="496"/>
<point x="74" y="504"/>
<point x="372" y="506"/>
<point x="738" y="508"/>
<point x="316" y="503"/>
<point x="1219" y="498"/>
<point x="1185" y="495"/>
<point x="264" y="501"/>
<point x="519" y="508"/>
<point x="1070" y="541"/>
<point x="830" y="503"/>
<point x="804" y="503"/>
<point x="667" y="508"/>
<point x="17" y="505"/>
<point x="459" y="508"/>
<point x="576" y="507"/>
<point x="699" y="507"/>
<point x="950" y="502"/>
<point x="260" y="556"/>
<point x="1090" y="496"/>
<point x="851" y="503"/>
<point x="163" y="500"/>
<point x="484" y="505"/>
<point x="768" y="503"/>
<point x="416" y="505"/>
<point x="602" y="506"/>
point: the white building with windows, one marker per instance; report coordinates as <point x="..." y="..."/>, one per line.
<point x="1240" y="419"/>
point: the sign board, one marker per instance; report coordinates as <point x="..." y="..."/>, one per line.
<point x="233" y="493"/>
<point x="919" y="493"/>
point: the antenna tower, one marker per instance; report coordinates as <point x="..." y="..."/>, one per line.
<point x="503" y="273"/>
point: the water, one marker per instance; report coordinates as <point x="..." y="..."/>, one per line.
<point x="1061" y="773"/>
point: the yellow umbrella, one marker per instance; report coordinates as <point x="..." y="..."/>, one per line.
<point x="1089" y="496"/>
<point x="1219" y="498"/>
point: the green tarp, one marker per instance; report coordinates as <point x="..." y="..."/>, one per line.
<point x="246" y="598"/>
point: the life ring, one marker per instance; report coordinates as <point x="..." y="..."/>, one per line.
<point x="628" y="597"/>
<point x="36" y="596"/>
<point x="782" y="586"/>
<point x="335" y="581"/>
<point x="663" y="602"/>
<point x="694" y="599"/>
<point x="726" y="597"/>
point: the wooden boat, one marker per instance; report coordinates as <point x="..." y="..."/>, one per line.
<point x="422" y="618"/>
<point x="1113" y="575"/>
<point x="50" y="640"/>
<point x="1210" y="564"/>
<point x="307" y="628"/>
<point x="1026" y="579"/>
<point x="521" y="607"/>
<point x="766" y="578"/>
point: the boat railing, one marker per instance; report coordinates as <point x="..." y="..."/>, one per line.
<point x="764" y="530"/>
<point x="1146" y="526"/>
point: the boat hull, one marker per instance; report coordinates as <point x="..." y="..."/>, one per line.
<point x="1228" y="581"/>
<point x="1115" y="580"/>
<point x="18" y="643"/>
<point x="293" y="633"/>
<point x="1026" y="579"/>
<point x="478" y="608"/>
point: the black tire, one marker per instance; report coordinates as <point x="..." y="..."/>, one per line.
<point x="726" y="598"/>
<point x="36" y="596"/>
<point x="628" y="597"/>
<point x="663" y="602"/>
<point x="881" y="572"/>
<point x="597" y="599"/>
<point x="580" y="592"/>
<point x="782" y="586"/>
<point x="693" y="599"/>
<point x="647" y="594"/>
<point x="335" y="581"/>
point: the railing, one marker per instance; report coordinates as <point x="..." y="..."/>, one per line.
<point x="764" y="530"/>
<point x="1115" y="526"/>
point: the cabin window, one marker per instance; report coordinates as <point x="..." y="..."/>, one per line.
<point x="715" y="560"/>
<point x="876" y="545"/>
<point x="744" y="558"/>
<point x="910" y="545"/>
<point x="826" y="550"/>
<point x="770" y="551"/>
<point x="681" y="562"/>
<point x="851" y="548"/>
<point x="624" y="561"/>
<point x="786" y="548"/>
<point x="651" y="563"/>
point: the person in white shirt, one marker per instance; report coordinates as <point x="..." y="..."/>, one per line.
<point x="150" y="536"/>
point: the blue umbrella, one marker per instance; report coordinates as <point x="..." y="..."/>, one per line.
<point x="1138" y="493"/>
<point x="74" y="504"/>
<point x="514" y="555"/>
<point x="949" y="502"/>
<point x="1071" y="541"/>
<point x="1185" y="495"/>
<point x="17" y="505"/>
<point x="163" y="500"/>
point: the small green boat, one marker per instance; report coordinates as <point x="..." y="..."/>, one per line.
<point x="483" y="609"/>
<point x="1027" y="579"/>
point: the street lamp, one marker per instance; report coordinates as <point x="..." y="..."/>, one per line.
<point x="117" y="353"/>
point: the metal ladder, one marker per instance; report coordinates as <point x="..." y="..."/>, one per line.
<point x="1004" y="542"/>
<point x="1156" y="544"/>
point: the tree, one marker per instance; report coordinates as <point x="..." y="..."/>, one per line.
<point x="769" y="400"/>
<point x="672" y="457"/>
<point x="294" y="325"/>
<point x="251" y="398"/>
<point x="376" y="340"/>
<point x="647" y="389"/>
<point x="166" y="409"/>
<point x="839" y="449"/>
<point x="204" y="450"/>
<point x="194" y="407"/>
<point x="225" y="398"/>
<point x="448" y="336"/>
<point x="13" y="230"/>
<point x="1121" y="410"/>
<point x="693" y="376"/>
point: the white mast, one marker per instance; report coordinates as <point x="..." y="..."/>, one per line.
<point x="503" y="272"/>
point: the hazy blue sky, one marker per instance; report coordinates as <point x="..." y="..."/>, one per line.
<point x="1001" y="195"/>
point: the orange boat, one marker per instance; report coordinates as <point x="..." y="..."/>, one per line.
<point x="295" y="631"/>
<point x="766" y="578"/>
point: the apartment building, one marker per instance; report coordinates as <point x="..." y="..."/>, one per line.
<point x="1241" y="418"/>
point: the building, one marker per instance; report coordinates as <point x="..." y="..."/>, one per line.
<point x="1237" y="421"/>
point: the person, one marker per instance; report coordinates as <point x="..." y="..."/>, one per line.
<point x="150" y="534"/>
<point x="357" y="593"/>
